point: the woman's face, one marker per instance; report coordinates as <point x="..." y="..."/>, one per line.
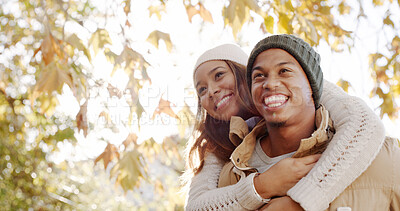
<point x="215" y="85"/>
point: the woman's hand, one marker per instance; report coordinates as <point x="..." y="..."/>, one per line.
<point x="282" y="203"/>
<point x="282" y="176"/>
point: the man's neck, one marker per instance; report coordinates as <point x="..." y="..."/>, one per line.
<point x="286" y="139"/>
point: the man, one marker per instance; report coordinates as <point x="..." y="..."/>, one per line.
<point x="285" y="80"/>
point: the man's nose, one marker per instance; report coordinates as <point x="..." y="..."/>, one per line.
<point x="271" y="82"/>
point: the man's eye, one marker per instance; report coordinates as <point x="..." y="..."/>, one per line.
<point x="284" y="71"/>
<point x="258" y="75"/>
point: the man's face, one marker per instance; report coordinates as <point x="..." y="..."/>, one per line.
<point x="280" y="88"/>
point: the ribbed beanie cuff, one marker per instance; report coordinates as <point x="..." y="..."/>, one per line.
<point x="230" y="52"/>
<point x="307" y="57"/>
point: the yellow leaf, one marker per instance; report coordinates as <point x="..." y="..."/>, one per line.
<point x="269" y="24"/>
<point x="127" y="7"/>
<point x="186" y="118"/>
<point x="99" y="39"/>
<point x="48" y="105"/>
<point x="312" y="33"/>
<point x="378" y="2"/>
<point x="344" y="8"/>
<point x="156" y="10"/>
<point x="283" y="23"/>
<point x="344" y="84"/>
<point x="155" y="37"/>
<point x="205" y="14"/>
<point x="236" y="14"/>
<point x="129" y="170"/>
<point x="52" y="78"/>
<point x="74" y="41"/>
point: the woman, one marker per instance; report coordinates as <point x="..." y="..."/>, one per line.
<point x="219" y="79"/>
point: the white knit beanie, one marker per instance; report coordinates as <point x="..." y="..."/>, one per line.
<point x="230" y="52"/>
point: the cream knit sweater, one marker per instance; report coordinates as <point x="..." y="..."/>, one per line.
<point x="358" y="138"/>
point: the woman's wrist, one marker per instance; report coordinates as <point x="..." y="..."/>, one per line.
<point x="262" y="187"/>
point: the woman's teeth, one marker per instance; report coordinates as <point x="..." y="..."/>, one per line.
<point x="223" y="100"/>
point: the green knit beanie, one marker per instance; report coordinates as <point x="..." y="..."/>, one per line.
<point x="301" y="51"/>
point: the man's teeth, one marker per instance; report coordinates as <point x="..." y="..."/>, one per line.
<point x="223" y="100"/>
<point x="275" y="100"/>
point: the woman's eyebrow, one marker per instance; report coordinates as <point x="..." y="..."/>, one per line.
<point x="211" y="72"/>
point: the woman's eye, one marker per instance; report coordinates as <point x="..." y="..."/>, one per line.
<point x="218" y="75"/>
<point x="201" y="90"/>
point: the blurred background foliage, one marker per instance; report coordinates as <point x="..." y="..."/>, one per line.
<point x="41" y="60"/>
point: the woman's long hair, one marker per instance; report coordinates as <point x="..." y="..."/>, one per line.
<point x="212" y="135"/>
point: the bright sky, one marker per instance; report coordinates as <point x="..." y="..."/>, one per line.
<point x="171" y="73"/>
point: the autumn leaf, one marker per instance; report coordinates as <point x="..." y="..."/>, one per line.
<point x="113" y="91"/>
<point x="156" y="10"/>
<point x="131" y="139"/>
<point x="77" y="43"/>
<point x="191" y="11"/>
<point x="164" y="106"/>
<point x="49" y="47"/>
<point x="202" y="11"/>
<point x="48" y="105"/>
<point x="106" y="116"/>
<point x="127" y="7"/>
<point x="186" y="118"/>
<point x="238" y="12"/>
<point x="99" y="39"/>
<point x="81" y="119"/>
<point x="269" y="24"/>
<point x="155" y="37"/>
<point x="110" y="152"/>
<point x="283" y="23"/>
<point x="51" y="78"/>
<point x="344" y="84"/>
<point x="129" y="170"/>
<point x="205" y="14"/>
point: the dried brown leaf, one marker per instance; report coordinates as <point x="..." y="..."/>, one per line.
<point x="110" y="152"/>
<point x="81" y="119"/>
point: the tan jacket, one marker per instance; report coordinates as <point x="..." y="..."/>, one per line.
<point x="232" y="171"/>
<point x="378" y="188"/>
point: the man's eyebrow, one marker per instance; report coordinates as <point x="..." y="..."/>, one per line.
<point x="277" y="65"/>
<point x="211" y="72"/>
<point x="284" y="63"/>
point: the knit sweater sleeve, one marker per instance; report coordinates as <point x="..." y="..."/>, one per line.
<point x="358" y="138"/>
<point x="204" y="195"/>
